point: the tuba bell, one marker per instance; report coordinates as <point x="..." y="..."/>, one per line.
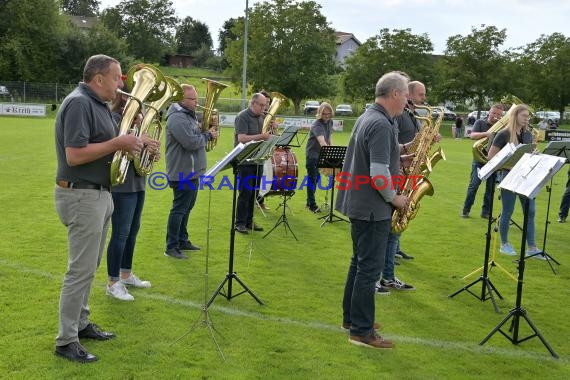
<point x="276" y="100"/>
<point x="147" y="84"/>
<point x="213" y="92"/>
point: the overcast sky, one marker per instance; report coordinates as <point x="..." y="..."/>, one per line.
<point x="524" y="20"/>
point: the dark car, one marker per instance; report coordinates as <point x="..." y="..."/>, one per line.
<point x="447" y="114"/>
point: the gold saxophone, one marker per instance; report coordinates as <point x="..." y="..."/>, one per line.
<point x="213" y="92"/>
<point x="147" y="84"/>
<point x="416" y="183"/>
<point x="144" y="163"/>
<point x="480" y="146"/>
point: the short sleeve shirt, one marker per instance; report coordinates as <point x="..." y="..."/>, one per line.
<point x="319" y="128"/>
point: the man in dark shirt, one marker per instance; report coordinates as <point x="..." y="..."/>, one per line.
<point x="480" y="131"/>
<point x="248" y="127"/>
<point x="373" y="153"/>
<point x="85" y="143"/>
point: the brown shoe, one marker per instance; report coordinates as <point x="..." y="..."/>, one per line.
<point x="371" y="340"/>
<point x="346" y="326"/>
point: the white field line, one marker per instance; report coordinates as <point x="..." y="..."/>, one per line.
<point x="472" y="347"/>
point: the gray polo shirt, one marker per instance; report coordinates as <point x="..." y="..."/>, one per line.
<point x="374" y="139"/>
<point x="83" y="118"/>
<point x="247" y="123"/>
<point x="319" y="128"/>
<point x="408" y="126"/>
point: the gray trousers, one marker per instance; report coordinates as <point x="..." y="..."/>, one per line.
<point x="87" y="215"/>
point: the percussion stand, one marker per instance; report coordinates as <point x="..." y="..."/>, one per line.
<point x="205" y="315"/>
<point x="487" y="287"/>
<point x="283" y="218"/>
<point x="232" y="275"/>
<point x="332" y="157"/>
<point x="517" y="312"/>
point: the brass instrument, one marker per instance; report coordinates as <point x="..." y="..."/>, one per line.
<point x="213" y="92"/>
<point x="147" y="84"/>
<point x="276" y="100"/>
<point x="416" y="184"/>
<point x="144" y="163"/>
<point x="480" y="146"/>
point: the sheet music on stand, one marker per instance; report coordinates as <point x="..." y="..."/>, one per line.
<point x="531" y="173"/>
<point x="506" y="158"/>
<point x="264" y="151"/>
<point x="240" y="152"/>
<point x="289" y="137"/>
<point x="331" y="156"/>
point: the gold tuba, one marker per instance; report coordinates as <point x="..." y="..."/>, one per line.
<point x="147" y="84"/>
<point x="480" y="146"/>
<point x="144" y="163"/>
<point x="276" y="100"/>
<point x="212" y="94"/>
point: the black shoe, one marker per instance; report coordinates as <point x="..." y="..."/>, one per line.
<point x="314" y="209"/>
<point x="175" y="253"/>
<point x="241" y="229"/>
<point x="255" y="227"/>
<point x="188" y="246"/>
<point x="404" y="255"/>
<point x="561" y="219"/>
<point x="465" y="214"/>
<point x="92" y="331"/>
<point x="76" y="352"/>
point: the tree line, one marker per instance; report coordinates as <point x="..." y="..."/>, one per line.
<point x="291" y="48"/>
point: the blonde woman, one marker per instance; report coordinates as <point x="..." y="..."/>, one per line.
<point x="517" y="132"/>
<point x="320" y="135"/>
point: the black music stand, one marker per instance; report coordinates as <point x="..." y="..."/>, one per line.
<point x="559" y="149"/>
<point x="233" y="159"/>
<point x="526" y="179"/>
<point x="487" y="287"/>
<point x="286" y="195"/>
<point x="332" y="157"/>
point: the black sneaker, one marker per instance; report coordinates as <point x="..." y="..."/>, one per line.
<point x="188" y="246"/>
<point x="381" y="289"/>
<point x="314" y="209"/>
<point x="465" y="214"/>
<point x="396" y="284"/>
<point x="241" y="229"/>
<point x="175" y="253"/>
<point x="561" y="219"/>
<point x="254" y="227"/>
<point x="404" y="255"/>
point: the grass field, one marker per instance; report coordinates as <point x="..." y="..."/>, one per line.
<point x="296" y="334"/>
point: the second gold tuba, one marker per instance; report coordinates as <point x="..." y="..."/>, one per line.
<point x="213" y="92"/>
<point x="480" y="146"/>
<point x="276" y="100"/>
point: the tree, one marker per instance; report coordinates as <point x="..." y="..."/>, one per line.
<point x="225" y="35"/>
<point x="191" y="36"/>
<point x="473" y="67"/>
<point x="87" y="8"/>
<point x="546" y="63"/>
<point x="146" y="25"/>
<point x="290" y="50"/>
<point x="398" y="49"/>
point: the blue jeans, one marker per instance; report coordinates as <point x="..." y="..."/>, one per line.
<point x="392" y="248"/>
<point x="313" y="174"/>
<point x="369" y="241"/>
<point x="565" y="202"/>
<point x="182" y="204"/>
<point x="474" y="183"/>
<point x="126" y="222"/>
<point x="508" y="199"/>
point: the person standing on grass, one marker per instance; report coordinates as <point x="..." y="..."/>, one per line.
<point x="128" y="202"/>
<point x="85" y="141"/>
<point x="373" y="151"/>
<point x="319" y="135"/>
<point x="565" y="202"/>
<point x="480" y="131"/>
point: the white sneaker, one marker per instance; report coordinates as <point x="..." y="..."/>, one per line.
<point x="118" y="291"/>
<point x="133" y="280"/>
<point x="508" y="249"/>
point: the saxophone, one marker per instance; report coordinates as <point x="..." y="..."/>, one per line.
<point x="416" y="184"/>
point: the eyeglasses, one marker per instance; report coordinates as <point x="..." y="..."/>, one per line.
<point x="326" y="114"/>
<point x="190" y="98"/>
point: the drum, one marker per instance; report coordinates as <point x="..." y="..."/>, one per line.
<point x="281" y="170"/>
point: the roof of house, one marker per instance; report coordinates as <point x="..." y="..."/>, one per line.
<point x="342" y="37"/>
<point x="83" y="22"/>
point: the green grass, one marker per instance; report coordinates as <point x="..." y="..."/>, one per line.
<point x="295" y="335"/>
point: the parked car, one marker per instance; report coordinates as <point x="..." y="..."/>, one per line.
<point x="343" y="110"/>
<point x="4" y="90"/>
<point x="311" y="107"/>
<point x="366" y="106"/>
<point x="548" y="115"/>
<point x="447" y="114"/>
<point x="484" y="114"/>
